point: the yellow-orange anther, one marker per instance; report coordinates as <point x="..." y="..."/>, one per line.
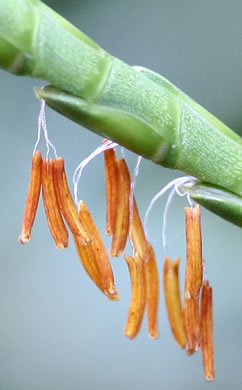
<point x="94" y="256"/>
<point x="152" y="292"/>
<point x="194" y="262"/>
<point x="112" y="184"/>
<point x="32" y="199"/>
<point x="207" y="331"/>
<point x="52" y="210"/>
<point x="173" y="300"/>
<point x="66" y="203"/>
<point x="137" y="301"/>
<point x="193" y="278"/>
<point x="138" y="238"/>
<point x="121" y="222"/>
<point x="192" y="324"/>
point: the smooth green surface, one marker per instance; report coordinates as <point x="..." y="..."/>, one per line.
<point x="116" y="124"/>
<point x="57" y="331"/>
<point x="137" y="108"/>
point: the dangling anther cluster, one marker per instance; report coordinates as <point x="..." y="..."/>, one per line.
<point x="192" y="326"/>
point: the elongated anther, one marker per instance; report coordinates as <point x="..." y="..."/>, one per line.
<point x="87" y="256"/>
<point x="192" y="324"/>
<point x="94" y="256"/>
<point x="193" y="278"/>
<point x="121" y="223"/>
<point x="112" y="184"/>
<point x="173" y="300"/>
<point x="54" y="218"/>
<point x="207" y="331"/>
<point x="137" y="301"/>
<point x="194" y="262"/>
<point x="66" y="203"/>
<point x="152" y="290"/>
<point x="138" y="239"/>
<point x="32" y="199"/>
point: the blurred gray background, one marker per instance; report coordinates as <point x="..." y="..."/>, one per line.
<point x="57" y="331"/>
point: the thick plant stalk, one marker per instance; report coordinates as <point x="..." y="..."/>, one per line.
<point x="133" y="106"/>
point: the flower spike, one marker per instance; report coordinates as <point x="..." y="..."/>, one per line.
<point x="207" y="331"/>
<point x="137" y="301"/>
<point x="52" y="211"/>
<point x="94" y="256"/>
<point x="66" y="203"/>
<point x="173" y="300"/>
<point x="32" y="199"/>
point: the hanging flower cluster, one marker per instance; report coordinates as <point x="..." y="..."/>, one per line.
<point x="191" y="325"/>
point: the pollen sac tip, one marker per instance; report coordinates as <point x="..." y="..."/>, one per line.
<point x="129" y="334"/>
<point x="24" y="238"/>
<point x="61" y="246"/>
<point x="189" y="351"/>
<point x="112" y="293"/>
<point x="209" y="378"/>
<point x="154" y="335"/>
<point x="115" y="253"/>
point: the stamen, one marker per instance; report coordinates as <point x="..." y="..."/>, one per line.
<point x="137" y="237"/>
<point x="66" y="204"/>
<point x="121" y="223"/>
<point x="78" y="171"/>
<point x="194" y="261"/>
<point x="193" y="278"/>
<point x="173" y="300"/>
<point x="192" y="323"/>
<point x="94" y="256"/>
<point x="152" y="291"/>
<point x="52" y="210"/>
<point x="137" y="300"/>
<point x="87" y="256"/>
<point x="112" y="180"/>
<point x="207" y="331"/>
<point x="32" y="199"/>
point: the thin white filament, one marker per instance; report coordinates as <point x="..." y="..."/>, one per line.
<point x="38" y="136"/>
<point x="42" y="124"/>
<point x="78" y="171"/>
<point x="164" y="224"/>
<point x="176" y="189"/>
<point x="122" y="152"/>
<point x="205" y="275"/>
<point x="181" y="194"/>
<point x="132" y="188"/>
<point x="176" y="183"/>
